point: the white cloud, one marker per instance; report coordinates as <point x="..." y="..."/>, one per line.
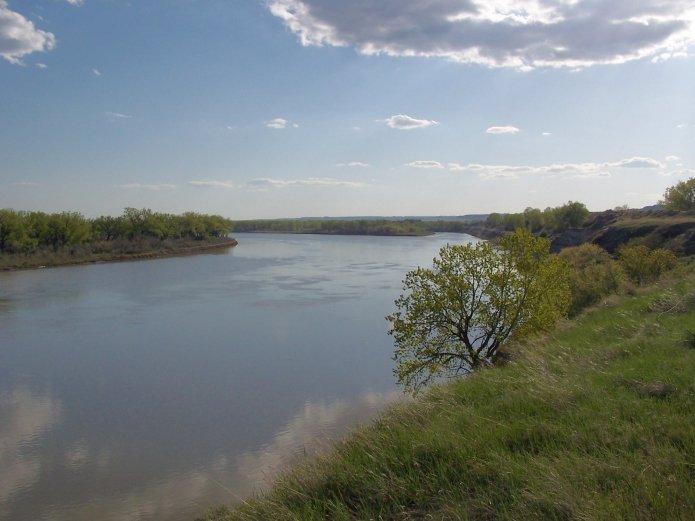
<point x="672" y="159"/>
<point x="424" y="164"/>
<point x="587" y="170"/>
<point x="505" y="129"/>
<point x="265" y="183"/>
<point x="637" y="162"/>
<point x="117" y="115"/>
<point x="25" y="183"/>
<point x="546" y="134"/>
<point x="593" y="175"/>
<point x="140" y="186"/>
<point x="212" y="184"/>
<point x="682" y="172"/>
<point x="404" y="122"/>
<point x="19" y="37"/>
<point x="682" y="125"/>
<point x="523" y="34"/>
<point x="354" y="164"/>
<point x="96" y="72"/>
<point x="277" y="123"/>
<point x="75" y="2"/>
<point x="41" y="66"/>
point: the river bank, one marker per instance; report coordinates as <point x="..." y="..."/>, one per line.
<point x="122" y="253"/>
<point x="592" y="421"/>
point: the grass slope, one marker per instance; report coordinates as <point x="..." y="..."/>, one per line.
<point x="594" y="422"/>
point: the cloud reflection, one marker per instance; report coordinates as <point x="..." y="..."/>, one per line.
<point x="24" y="418"/>
<point x="227" y="478"/>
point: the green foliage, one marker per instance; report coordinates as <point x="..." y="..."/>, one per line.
<point x="454" y="317"/>
<point x="24" y="232"/>
<point x="12" y="230"/>
<point x="681" y="196"/>
<point x="570" y="215"/>
<point x="594" y="274"/>
<point x="332" y="226"/>
<point x="643" y="265"/>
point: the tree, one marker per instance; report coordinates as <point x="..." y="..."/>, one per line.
<point x="454" y="317"/>
<point x="681" y="196"/>
<point x="12" y="230"/>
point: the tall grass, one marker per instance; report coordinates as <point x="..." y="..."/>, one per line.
<point x="595" y="421"/>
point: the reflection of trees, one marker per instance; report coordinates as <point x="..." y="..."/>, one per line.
<point x="24" y="417"/>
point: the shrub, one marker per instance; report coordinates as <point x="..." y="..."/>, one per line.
<point x="643" y="265"/>
<point x="594" y="275"/>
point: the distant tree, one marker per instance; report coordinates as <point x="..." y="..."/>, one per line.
<point x="494" y="219"/>
<point x="513" y="221"/>
<point x="572" y="214"/>
<point x="12" y="230"/>
<point x="454" y="317"/>
<point x="533" y="219"/>
<point x="681" y="196"/>
<point x="108" y="228"/>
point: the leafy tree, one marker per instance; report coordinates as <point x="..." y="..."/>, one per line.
<point x="533" y="219"/>
<point x="681" y="196"/>
<point x="66" y="229"/>
<point x="594" y="274"/>
<point x="12" y="230"/>
<point x="108" y="228"/>
<point x="454" y="317"/>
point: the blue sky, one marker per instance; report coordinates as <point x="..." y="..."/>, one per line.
<point x="287" y="108"/>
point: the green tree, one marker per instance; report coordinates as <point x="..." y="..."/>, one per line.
<point x="12" y="230"/>
<point x="681" y="196"/>
<point x="533" y="219"/>
<point x="454" y="317"/>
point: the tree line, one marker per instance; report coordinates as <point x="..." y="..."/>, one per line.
<point x="332" y="226"/>
<point x="570" y="215"/>
<point x="25" y="232"/>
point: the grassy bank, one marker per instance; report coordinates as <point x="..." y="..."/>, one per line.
<point x="115" y="251"/>
<point x="592" y="422"/>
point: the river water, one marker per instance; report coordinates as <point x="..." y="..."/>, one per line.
<point x="153" y="390"/>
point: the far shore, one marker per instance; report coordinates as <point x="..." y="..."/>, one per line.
<point x="31" y="262"/>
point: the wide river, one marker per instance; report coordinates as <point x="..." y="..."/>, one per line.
<point x="153" y="390"/>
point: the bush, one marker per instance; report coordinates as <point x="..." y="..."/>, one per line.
<point x="643" y="265"/>
<point x="594" y="275"/>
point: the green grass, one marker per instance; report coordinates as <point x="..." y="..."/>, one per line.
<point x="664" y="220"/>
<point x="596" y="421"/>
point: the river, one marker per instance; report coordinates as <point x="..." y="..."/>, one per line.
<point x="153" y="390"/>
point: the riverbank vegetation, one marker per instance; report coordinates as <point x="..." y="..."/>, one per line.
<point x="333" y="226"/>
<point x="453" y="318"/>
<point x="592" y="420"/>
<point x="32" y="239"/>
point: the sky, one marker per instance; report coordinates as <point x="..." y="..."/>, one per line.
<point x="290" y="108"/>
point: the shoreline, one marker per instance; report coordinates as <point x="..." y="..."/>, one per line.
<point x="587" y="408"/>
<point x="106" y="258"/>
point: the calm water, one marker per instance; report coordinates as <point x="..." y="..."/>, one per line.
<point x="153" y="390"/>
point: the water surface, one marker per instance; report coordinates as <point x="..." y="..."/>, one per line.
<point x="153" y="390"/>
